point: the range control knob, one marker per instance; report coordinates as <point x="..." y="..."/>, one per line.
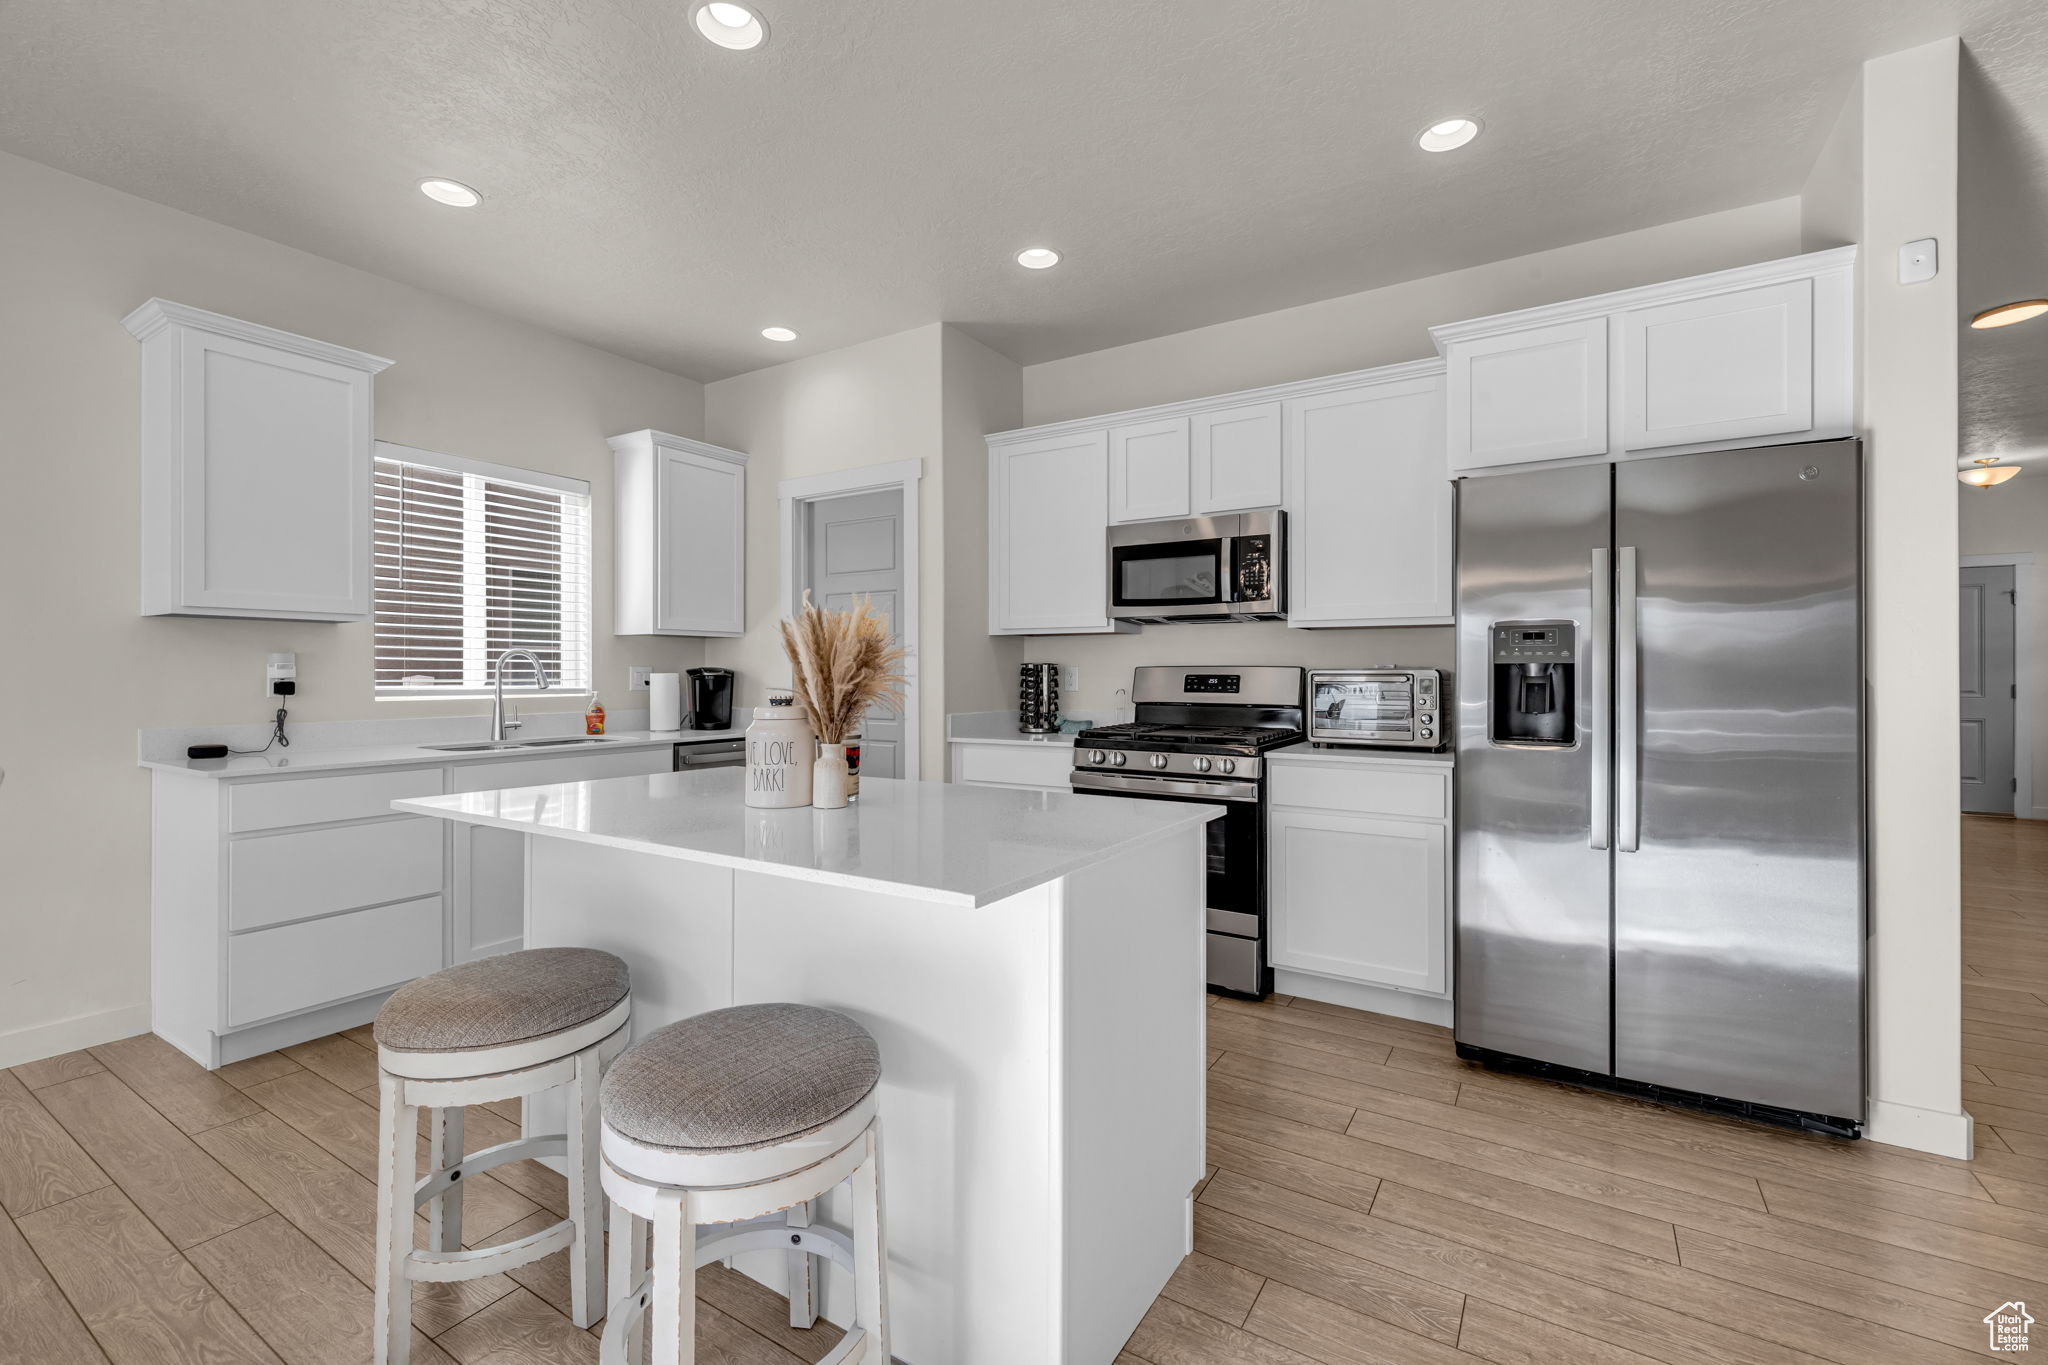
<point x="1116" y="760"/>
<point x="1159" y="760"/>
<point x="1203" y="765"/>
<point x="1096" y="756"/>
<point x="1229" y="765"/>
<point x="1428" y="733"/>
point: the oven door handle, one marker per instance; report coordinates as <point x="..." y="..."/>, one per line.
<point x="1132" y="785"/>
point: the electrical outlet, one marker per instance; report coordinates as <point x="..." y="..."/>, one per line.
<point x="636" y="677"/>
<point x="279" y="668"/>
<point x="1070" y="678"/>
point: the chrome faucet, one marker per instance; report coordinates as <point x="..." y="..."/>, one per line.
<point x="499" y="725"/>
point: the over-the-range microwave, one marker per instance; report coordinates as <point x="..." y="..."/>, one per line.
<point x="1228" y="568"/>
<point x="1382" y="708"/>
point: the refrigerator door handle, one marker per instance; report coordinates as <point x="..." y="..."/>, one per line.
<point x="1628" y="705"/>
<point x="1600" y="670"/>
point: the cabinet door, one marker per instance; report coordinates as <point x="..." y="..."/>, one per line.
<point x="272" y="484"/>
<point x="1360" y="899"/>
<point x="1148" y="470"/>
<point x="1048" y="509"/>
<point x="1539" y="394"/>
<point x="1236" y="459"/>
<point x="700" y="506"/>
<point x="1369" y="508"/>
<point x="1724" y="368"/>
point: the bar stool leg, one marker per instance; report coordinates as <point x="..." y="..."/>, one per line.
<point x="628" y="1257"/>
<point x="870" y="1250"/>
<point x="398" y="1143"/>
<point x="673" y="1311"/>
<point x="444" y="1149"/>
<point x="586" y="1195"/>
<point x="803" y="1293"/>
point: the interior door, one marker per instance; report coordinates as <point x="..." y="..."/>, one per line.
<point x="1738" y="865"/>
<point x="1989" y="626"/>
<point x="856" y="550"/>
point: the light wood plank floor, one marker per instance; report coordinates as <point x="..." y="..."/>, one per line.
<point x="1373" y="1201"/>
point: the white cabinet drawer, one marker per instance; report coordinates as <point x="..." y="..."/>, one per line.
<point x="315" y="872"/>
<point x="316" y="800"/>
<point x="1365" y="791"/>
<point x="1045" y="768"/>
<point x="539" y="772"/>
<point x="302" y="966"/>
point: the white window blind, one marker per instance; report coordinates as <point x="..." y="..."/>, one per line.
<point x="472" y="560"/>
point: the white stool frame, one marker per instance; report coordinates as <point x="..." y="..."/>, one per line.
<point x="446" y="1083"/>
<point x="762" y="1199"/>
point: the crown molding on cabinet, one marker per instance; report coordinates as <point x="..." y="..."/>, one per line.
<point x="1839" y="259"/>
<point x="157" y="314"/>
<point x="1299" y="388"/>
<point x="648" y="436"/>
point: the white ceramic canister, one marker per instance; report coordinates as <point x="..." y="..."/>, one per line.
<point x="780" y="754"/>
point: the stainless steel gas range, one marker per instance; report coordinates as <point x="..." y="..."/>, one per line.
<point x="1199" y="735"/>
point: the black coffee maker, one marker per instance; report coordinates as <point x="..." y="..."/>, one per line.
<point x="710" y="698"/>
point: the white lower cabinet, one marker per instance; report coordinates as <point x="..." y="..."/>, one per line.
<point x="1036" y="767"/>
<point x="1360" y="883"/>
<point x="285" y="908"/>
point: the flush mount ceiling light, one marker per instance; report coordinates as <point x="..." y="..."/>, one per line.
<point x="1038" y="258"/>
<point x="1448" y="135"/>
<point x="1989" y="473"/>
<point x="730" y="25"/>
<point x="778" y="334"/>
<point x="453" y="193"/>
<point x="2006" y="314"/>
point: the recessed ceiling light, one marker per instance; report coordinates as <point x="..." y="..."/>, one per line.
<point x="453" y="193"/>
<point x="2006" y="314"/>
<point x="730" y="25"/>
<point x="1038" y="258"/>
<point x="1451" y="133"/>
<point x="778" y="334"/>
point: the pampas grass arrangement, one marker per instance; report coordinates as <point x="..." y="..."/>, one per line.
<point x="844" y="662"/>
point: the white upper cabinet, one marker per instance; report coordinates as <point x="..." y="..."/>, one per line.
<point x="1369" y="512"/>
<point x="680" y="535"/>
<point x="1148" y="470"/>
<point x="1235" y="463"/>
<point x="1048" y="558"/>
<point x="255" y="469"/>
<point x="1534" y="395"/>
<point x="1756" y="354"/>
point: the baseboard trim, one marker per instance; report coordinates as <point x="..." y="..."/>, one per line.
<point x="38" y="1041"/>
<point x="1923" y="1130"/>
<point x="1423" y="1009"/>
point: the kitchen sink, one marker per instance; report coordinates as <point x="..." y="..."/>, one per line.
<point x="574" y="739"/>
<point x="485" y="744"/>
<point x="471" y="748"/>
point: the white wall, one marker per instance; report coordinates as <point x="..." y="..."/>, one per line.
<point x="2013" y="517"/>
<point x="84" y="671"/>
<point x="1356" y="331"/>
<point x="981" y="392"/>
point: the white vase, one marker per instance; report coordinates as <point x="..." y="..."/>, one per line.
<point x="831" y="780"/>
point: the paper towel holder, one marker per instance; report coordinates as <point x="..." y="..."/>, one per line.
<point x="664" y="702"/>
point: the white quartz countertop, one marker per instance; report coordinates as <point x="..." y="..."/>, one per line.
<point x="300" y="758"/>
<point x="998" y="727"/>
<point x="1355" y="757"/>
<point x="948" y="843"/>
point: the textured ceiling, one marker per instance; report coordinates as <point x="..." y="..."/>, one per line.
<point x="876" y="166"/>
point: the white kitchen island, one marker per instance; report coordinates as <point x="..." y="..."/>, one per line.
<point x="1031" y="964"/>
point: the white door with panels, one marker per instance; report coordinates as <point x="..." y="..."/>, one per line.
<point x="1148" y="470"/>
<point x="1361" y="899"/>
<point x="1235" y="463"/>
<point x="1989" y="688"/>
<point x="1048" y="515"/>
<point x="854" y="549"/>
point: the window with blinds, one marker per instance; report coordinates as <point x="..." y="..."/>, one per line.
<point x="472" y="560"/>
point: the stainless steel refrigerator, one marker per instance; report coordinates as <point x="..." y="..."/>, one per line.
<point x="1660" y="833"/>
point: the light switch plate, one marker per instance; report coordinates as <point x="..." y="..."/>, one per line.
<point x="1919" y="261"/>
<point x="1070" y="678"/>
<point x="636" y="677"/>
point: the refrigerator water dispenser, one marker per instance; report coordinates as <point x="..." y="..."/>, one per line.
<point x="1534" y="663"/>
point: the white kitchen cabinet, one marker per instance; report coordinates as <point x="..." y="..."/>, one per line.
<point x="1235" y="459"/>
<point x="680" y="536"/>
<point x="1360" y="898"/>
<point x="255" y="476"/>
<point x="1369" y="510"/>
<point x="1048" y="555"/>
<point x="1756" y="354"/>
<point x="1148" y="470"/>
<point x="1035" y="767"/>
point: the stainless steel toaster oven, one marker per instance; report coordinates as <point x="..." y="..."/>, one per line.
<point x="1386" y="708"/>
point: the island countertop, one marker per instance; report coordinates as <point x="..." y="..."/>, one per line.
<point x="939" y="842"/>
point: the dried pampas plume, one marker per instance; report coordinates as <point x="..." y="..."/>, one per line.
<point x="844" y="663"/>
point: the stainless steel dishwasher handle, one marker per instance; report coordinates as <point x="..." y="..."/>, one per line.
<point x="1600" y="671"/>
<point x="1628" y="705"/>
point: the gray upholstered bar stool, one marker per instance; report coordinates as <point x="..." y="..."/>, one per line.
<point x="740" y="1118"/>
<point x="501" y="1028"/>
